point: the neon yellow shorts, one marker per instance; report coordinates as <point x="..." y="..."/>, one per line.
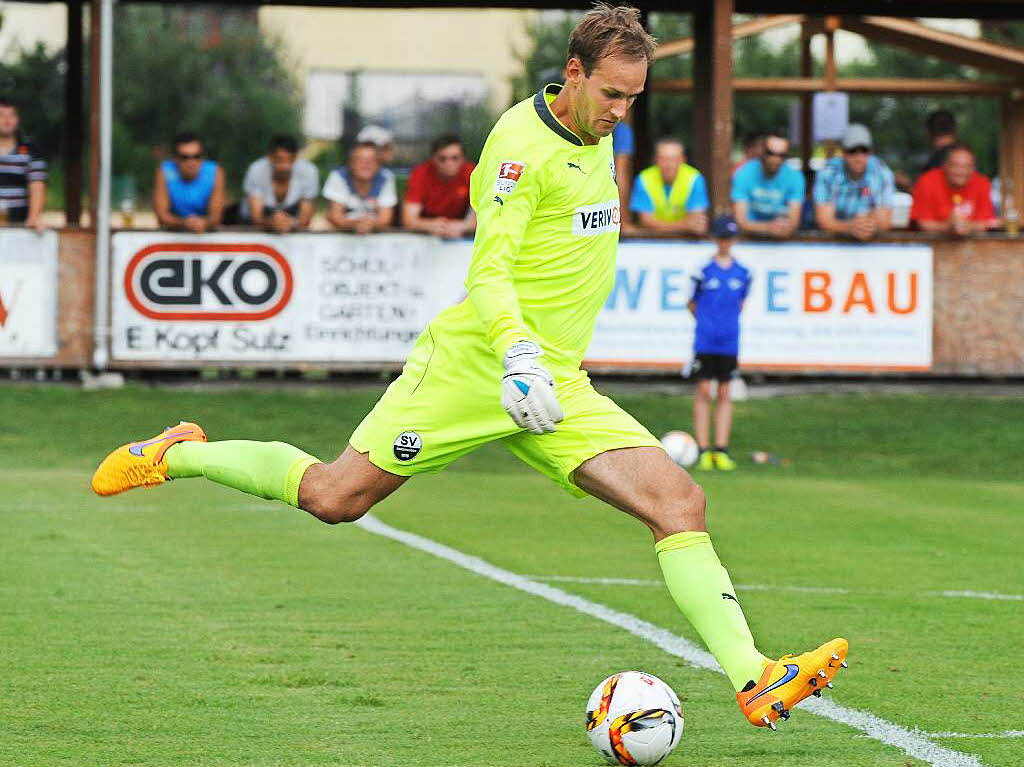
<point x="447" y="402"/>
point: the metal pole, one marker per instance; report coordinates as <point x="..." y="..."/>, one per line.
<point x="101" y="351"/>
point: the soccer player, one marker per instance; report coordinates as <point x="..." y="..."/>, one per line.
<point x="505" y="365"/>
<point x="718" y="295"/>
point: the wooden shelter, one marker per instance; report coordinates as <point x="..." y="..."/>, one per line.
<point x="1003" y="60"/>
<point x="713" y="83"/>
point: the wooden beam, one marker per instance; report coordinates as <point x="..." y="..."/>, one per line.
<point x="746" y="29"/>
<point x="830" y="59"/>
<point x="806" y="123"/>
<point x="643" y="144"/>
<point x="960" y="49"/>
<point x="892" y="85"/>
<point x="73" y="83"/>
<point x="1011" y="159"/>
<point x="720" y="172"/>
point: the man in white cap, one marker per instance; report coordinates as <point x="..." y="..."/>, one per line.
<point x="381" y="138"/>
<point x="853" y="193"/>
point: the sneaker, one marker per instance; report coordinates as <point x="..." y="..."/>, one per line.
<point x="723" y="461"/>
<point x="787" y="681"/>
<point x="705" y="462"/>
<point x="142" y="464"/>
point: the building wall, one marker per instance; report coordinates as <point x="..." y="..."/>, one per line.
<point x="25" y="24"/>
<point x="476" y="41"/>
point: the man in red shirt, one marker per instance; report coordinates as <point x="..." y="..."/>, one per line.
<point x="954" y="198"/>
<point x="437" y="198"/>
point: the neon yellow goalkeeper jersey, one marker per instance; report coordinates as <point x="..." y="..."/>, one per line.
<point x="547" y="231"/>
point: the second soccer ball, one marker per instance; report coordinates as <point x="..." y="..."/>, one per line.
<point x="681" y="447"/>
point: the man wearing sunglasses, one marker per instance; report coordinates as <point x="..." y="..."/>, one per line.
<point x="188" y="191"/>
<point x="767" y="194"/>
<point x="853" y="193"/>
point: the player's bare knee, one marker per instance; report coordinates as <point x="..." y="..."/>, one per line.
<point x="338" y="508"/>
<point x="681" y="508"/>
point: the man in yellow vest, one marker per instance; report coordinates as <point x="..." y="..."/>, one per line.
<point x="671" y="197"/>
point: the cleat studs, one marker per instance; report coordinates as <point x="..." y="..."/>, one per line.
<point x="812" y="682"/>
<point x="844" y="664"/>
<point x="784" y="714"/>
<point x="835" y="656"/>
<point x="821" y="673"/>
<point x="816" y="693"/>
<point x="828" y="685"/>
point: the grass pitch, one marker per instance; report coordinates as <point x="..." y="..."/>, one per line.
<point x="193" y="625"/>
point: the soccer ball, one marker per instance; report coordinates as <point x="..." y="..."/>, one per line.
<point x="634" y="718"/>
<point x="681" y="447"/>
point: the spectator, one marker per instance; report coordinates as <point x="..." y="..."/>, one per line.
<point x="361" y="196"/>
<point x="767" y="193"/>
<point x="853" y="193"/>
<point x="718" y="296"/>
<point x="437" y="198"/>
<point x="280" y="189"/>
<point x="942" y="135"/>
<point x="623" y="147"/>
<point x="954" y="198"/>
<point x="753" y="144"/>
<point x="382" y="139"/>
<point x="22" y="173"/>
<point x="671" y="196"/>
<point x="188" y="191"/>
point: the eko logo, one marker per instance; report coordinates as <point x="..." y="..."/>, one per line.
<point x="208" y="281"/>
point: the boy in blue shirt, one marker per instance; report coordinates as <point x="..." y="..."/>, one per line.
<point x="718" y="294"/>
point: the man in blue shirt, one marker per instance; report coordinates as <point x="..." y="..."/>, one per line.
<point x="853" y="193"/>
<point x="188" y="191"/>
<point x="718" y="294"/>
<point x="671" y="197"/>
<point x="767" y="193"/>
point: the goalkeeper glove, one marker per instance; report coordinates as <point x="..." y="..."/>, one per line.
<point x="528" y="390"/>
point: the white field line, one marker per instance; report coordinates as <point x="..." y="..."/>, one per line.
<point x="1006" y="734"/>
<point x="983" y="595"/>
<point x="657" y="583"/>
<point x="912" y="742"/>
<point x="763" y="587"/>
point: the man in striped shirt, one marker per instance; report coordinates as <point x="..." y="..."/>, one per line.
<point x="22" y="173"/>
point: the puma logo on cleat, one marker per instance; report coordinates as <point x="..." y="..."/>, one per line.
<point x="577" y="167"/>
<point x="730" y="596"/>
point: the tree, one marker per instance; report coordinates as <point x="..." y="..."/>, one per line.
<point x="35" y="82"/>
<point x="172" y="72"/>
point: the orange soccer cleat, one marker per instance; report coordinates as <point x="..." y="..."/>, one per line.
<point x="142" y="464"/>
<point x="787" y="681"/>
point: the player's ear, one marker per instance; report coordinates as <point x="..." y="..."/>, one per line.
<point x="574" y="71"/>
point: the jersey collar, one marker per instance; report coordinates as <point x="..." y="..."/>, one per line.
<point x="540" y="103"/>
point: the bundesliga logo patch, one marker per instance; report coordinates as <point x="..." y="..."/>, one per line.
<point x="509" y="173"/>
<point x="407" y="445"/>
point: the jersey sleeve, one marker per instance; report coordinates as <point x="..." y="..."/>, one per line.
<point x="741" y="184"/>
<point x="389" y="192"/>
<point x="415" y="188"/>
<point x="698" y="199"/>
<point x="504" y="189"/>
<point x="797" y="186"/>
<point x="639" y="199"/>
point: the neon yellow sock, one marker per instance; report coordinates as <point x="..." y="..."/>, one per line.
<point x="269" y="470"/>
<point x="703" y="591"/>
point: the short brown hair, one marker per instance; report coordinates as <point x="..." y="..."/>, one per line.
<point x="610" y="31"/>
